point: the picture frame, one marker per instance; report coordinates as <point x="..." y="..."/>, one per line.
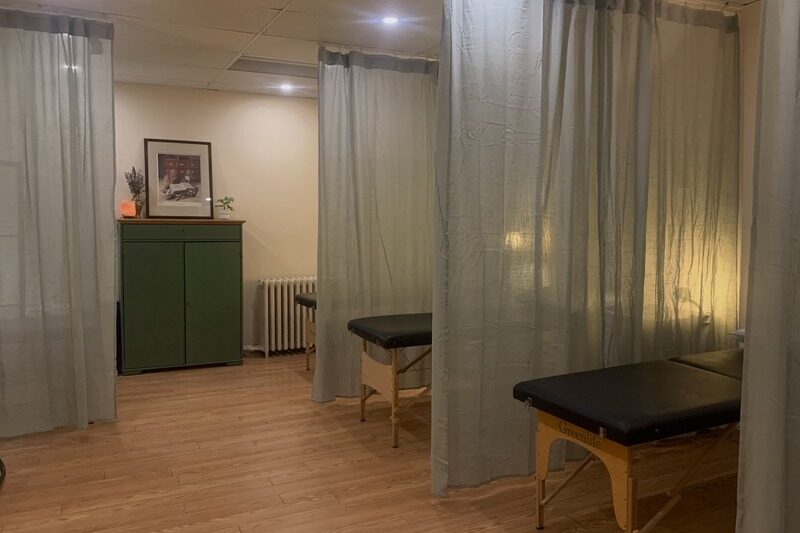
<point x="178" y="179"/>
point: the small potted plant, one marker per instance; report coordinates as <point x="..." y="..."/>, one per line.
<point x="224" y="207"/>
<point x="135" y="180"/>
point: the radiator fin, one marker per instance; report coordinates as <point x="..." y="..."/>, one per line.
<point x="284" y="320"/>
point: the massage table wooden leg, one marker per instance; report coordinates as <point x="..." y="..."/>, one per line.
<point x="308" y="343"/>
<point x="631" y="505"/>
<point x="385" y="379"/>
<point x="675" y="494"/>
<point x="309" y="333"/>
<point x="379" y="377"/>
<point x="544" y="440"/>
<point x="395" y="399"/>
<point x="617" y="458"/>
<point x="363" y="386"/>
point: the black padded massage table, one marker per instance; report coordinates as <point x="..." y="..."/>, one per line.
<point x="309" y="301"/>
<point x="392" y="333"/>
<point x="609" y="412"/>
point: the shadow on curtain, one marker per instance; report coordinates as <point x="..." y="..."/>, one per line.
<point x="587" y="204"/>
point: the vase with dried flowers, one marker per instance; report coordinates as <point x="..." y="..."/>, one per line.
<point x="135" y="180"/>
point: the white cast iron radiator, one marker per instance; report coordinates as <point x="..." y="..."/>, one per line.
<point x="284" y="320"/>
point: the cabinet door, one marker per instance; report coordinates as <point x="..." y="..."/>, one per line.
<point x="213" y="302"/>
<point x="152" y="304"/>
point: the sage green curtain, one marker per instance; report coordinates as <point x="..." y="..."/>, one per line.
<point x="376" y="125"/>
<point x="57" y="231"/>
<point x="587" y="206"/>
<point x="769" y="449"/>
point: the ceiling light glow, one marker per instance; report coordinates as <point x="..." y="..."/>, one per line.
<point x="390" y="20"/>
<point x="286" y="87"/>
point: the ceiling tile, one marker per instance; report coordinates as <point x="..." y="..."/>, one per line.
<point x="189" y="42"/>
<point x="126" y="69"/>
<point x="168" y="34"/>
<point x="428" y="12"/>
<point x="264" y="84"/>
<point x="410" y="38"/>
<point x="283" y="49"/>
<point x="138" y="73"/>
<point x="237" y="15"/>
<point x="161" y="81"/>
<point x="171" y="55"/>
<point x="272" y="4"/>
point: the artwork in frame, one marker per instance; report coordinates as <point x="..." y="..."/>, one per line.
<point x="178" y="179"/>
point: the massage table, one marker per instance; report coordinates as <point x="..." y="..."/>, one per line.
<point x="392" y="333"/>
<point x="612" y="411"/>
<point x="309" y="301"/>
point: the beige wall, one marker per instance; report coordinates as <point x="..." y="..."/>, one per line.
<point x="264" y="154"/>
<point x="750" y="41"/>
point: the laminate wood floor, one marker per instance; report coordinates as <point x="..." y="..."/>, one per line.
<point x="244" y="450"/>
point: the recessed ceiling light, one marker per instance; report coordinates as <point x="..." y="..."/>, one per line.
<point x="286" y="87"/>
<point x="390" y="21"/>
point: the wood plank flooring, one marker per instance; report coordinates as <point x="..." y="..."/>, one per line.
<point x="244" y="450"/>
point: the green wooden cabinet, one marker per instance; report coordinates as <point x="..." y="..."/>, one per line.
<point x="181" y="293"/>
<point x="152" y="306"/>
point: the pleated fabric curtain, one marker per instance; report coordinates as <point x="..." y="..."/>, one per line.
<point x="769" y="449"/>
<point x="494" y="298"/>
<point x="377" y="117"/>
<point x="57" y="234"/>
<point x="587" y="206"/>
<point x="668" y="177"/>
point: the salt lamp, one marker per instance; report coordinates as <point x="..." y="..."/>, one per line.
<point x="127" y="208"/>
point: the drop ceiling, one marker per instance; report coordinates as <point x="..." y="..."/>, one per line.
<point x="204" y="43"/>
<point x="194" y="43"/>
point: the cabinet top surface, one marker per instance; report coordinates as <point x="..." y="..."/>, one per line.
<point x="181" y="221"/>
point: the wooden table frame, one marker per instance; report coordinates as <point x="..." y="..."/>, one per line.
<point x="385" y="380"/>
<point x="618" y="460"/>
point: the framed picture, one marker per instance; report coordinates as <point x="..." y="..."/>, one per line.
<point x="178" y="179"/>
